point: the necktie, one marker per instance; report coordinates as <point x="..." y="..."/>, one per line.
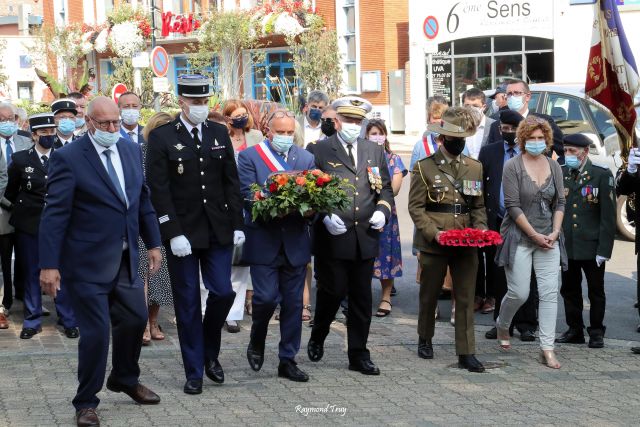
<point x="131" y="133"/>
<point x="196" y="138"/>
<point x="454" y="166"/>
<point x="45" y="161"/>
<point x="350" y="150"/>
<point x="113" y="175"/>
<point x="511" y="152"/>
<point x="9" y="151"/>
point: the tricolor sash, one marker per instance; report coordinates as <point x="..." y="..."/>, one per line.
<point x="271" y="159"/>
<point x="430" y="147"/>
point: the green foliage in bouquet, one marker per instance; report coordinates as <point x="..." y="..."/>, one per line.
<point x="305" y="192"/>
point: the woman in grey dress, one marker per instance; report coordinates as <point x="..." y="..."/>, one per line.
<point x="158" y="286"/>
<point x="534" y="200"/>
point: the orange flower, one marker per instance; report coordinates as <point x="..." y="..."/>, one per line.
<point x="301" y="181"/>
<point x="282" y="180"/>
<point x="258" y="195"/>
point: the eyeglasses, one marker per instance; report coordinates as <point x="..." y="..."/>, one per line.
<point x="104" y="125"/>
<point x="516" y="93"/>
<point x="282" y="114"/>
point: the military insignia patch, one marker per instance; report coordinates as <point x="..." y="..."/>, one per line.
<point x="179" y="146"/>
<point x="215" y="142"/>
<point x="28" y="169"/>
<point x="335" y="165"/>
<point x="180" y="169"/>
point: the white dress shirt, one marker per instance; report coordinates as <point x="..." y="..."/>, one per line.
<point x="47" y="153"/>
<point x="132" y="133"/>
<point x="354" y="150"/>
<point x="311" y="133"/>
<point x="190" y="127"/>
<point x="474" y="142"/>
<point x="115" y="160"/>
<point x="3" y="145"/>
<point x="64" y="140"/>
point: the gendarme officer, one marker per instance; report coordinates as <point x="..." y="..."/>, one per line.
<point x="446" y="194"/>
<point x="64" y="112"/>
<point x="349" y="238"/>
<point x="589" y="230"/>
<point x="192" y="175"/>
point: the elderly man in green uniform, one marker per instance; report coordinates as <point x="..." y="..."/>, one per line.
<point x="446" y="194"/>
<point x="589" y="230"/>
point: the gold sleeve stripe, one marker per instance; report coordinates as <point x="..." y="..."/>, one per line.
<point x="385" y="204"/>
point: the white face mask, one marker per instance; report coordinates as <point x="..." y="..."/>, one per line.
<point x="130" y="116"/>
<point x="198" y="113"/>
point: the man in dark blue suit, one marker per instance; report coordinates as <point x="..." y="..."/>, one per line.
<point x="130" y="105"/>
<point x="97" y="206"/>
<point x="279" y="250"/>
<point x="493" y="157"/>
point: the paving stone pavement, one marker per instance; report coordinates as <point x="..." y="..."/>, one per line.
<point x="594" y="387"/>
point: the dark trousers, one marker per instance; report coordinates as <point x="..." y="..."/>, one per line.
<point x="278" y="283"/>
<point x="485" y="283"/>
<point x="27" y="250"/>
<point x="571" y="291"/>
<point x="200" y="338"/>
<point x="121" y="305"/>
<point x="338" y="278"/>
<point x="7" y="242"/>
<point x="462" y="264"/>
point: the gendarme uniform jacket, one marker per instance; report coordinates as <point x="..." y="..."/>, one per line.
<point x="195" y="191"/>
<point x="360" y="241"/>
<point x="440" y="200"/>
<point x="589" y="223"/>
<point x="26" y="189"/>
<point x="60" y="144"/>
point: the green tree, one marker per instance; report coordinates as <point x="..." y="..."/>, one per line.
<point x="123" y="73"/>
<point x="317" y="60"/>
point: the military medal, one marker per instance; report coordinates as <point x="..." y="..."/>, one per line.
<point x="28" y="185"/>
<point x="595" y="195"/>
<point x="375" y="180"/>
<point x="180" y="167"/>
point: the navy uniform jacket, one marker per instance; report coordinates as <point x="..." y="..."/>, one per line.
<point x="58" y="143"/>
<point x="589" y="223"/>
<point x="264" y="239"/>
<point x="26" y="190"/>
<point x="629" y="185"/>
<point x="196" y="193"/>
<point x="86" y="219"/>
<point x="360" y="241"/>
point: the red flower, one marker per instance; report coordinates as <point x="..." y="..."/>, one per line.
<point x="258" y="195"/>
<point x="470" y="237"/>
<point x="319" y="182"/>
<point x="273" y="187"/>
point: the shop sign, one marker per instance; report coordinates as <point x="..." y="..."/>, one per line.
<point x="179" y="24"/>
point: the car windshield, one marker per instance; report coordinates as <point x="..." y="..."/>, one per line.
<point x="603" y="121"/>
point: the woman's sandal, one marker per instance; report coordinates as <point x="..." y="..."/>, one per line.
<point x="383" y="312"/>
<point x="548" y="358"/>
<point x="306" y="312"/>
<point x="156" y="331"/>
<point x="505" y="343"/>
<point x="146" y="337"/>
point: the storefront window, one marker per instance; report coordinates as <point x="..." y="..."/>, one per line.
<point x="274" y="79"/>
<point x="474" y="45"/>
<point x="181" y="65"/>
<point x="507" y="44"/>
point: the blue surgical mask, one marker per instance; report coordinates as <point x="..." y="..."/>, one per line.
<point x="46" y="141"/>
<point x="535" y="147"/>
<point x="572" y="162"/>
<point x="315" y="114"/>
<point x="106" y="139"/>
<point x="515" y="102"/>
<point x="67" y="126"/>
<point x="281" y="143"/>
<point x="8" y="128"/>
<point x="350" y="132"/>
<point x="80" y="122"/>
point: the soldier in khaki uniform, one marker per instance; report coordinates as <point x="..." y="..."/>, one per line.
<point x="446" y="194"/>
<point x="589" y="231"/>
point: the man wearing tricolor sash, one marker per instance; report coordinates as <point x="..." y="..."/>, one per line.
<point x="278" y="250"/>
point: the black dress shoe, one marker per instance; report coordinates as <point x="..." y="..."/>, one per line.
<point x="470" y="363"/>
<point x="638" y="328"/>
<point x="255" y="356"/>
<point x="491" y="334"/>
<point x="138" y="392"/>
<point x="72" y="332"/>
<point x="596" y="338"/>
<point x="28" y="333"/>
<point x="193" y="387"/>
<point x="425" y="349"/>
<point x="87" y="417"/>
<point x="571" y="336"/>
<point x="214" y="371"/>
<point x="315" y="350"/>
<point x="366" y="367"/>
<point x="635" y="350"/>
<point x="288" y="369"/>
<point x="527" y="336"/>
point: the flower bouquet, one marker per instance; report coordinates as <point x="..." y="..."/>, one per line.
<point x="469" y="237"/>
<point x="305" y="192"/>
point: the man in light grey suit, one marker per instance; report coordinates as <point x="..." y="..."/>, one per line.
<point x="10" y="142"/>
<point x="476" y="99"/>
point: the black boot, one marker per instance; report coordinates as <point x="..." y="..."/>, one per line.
<point x="425" y="349"/>
<point x="596" y="337"/>
<point x="571" y="336"/>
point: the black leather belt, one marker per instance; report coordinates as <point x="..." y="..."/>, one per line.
<point x="457" y="208"/>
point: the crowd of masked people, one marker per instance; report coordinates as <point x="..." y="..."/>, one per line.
<point x="501" y="168"/>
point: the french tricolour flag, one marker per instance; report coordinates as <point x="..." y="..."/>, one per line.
<point x="612" y="74"/>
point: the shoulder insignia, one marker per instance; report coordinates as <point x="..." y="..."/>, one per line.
<point x="28" y="169"/>
<point x="179" y="146"/>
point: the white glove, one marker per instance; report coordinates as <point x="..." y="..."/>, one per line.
<point x="334" y="224"/>
<point x="180" y="246"/>
<point x="238" y="237"/>
<point x="600" y="260"/>
<point x="377" y="220"/>
<point x="634" y="160"/>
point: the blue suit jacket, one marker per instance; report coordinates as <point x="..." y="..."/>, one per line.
<point x="126" y="136"/>
<point x="492" y="159"/>
<point x="85" y="222"/>
<point x="292" y="233"/>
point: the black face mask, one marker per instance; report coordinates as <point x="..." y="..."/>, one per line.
<point x="328" y="127"/>
<point x="454" y="145"/>
<point x="240" y="122"/>
<point x="509" y="137"/>
<point x="46" y="141"/>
